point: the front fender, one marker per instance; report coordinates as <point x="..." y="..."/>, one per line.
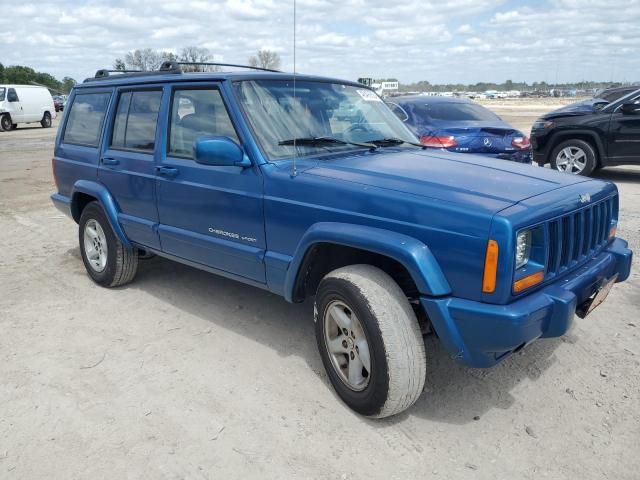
<point x="414" y="255"/>
<point x="565" y="134"/>
<point x="100" y="192"/>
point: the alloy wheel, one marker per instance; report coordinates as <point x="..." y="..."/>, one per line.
<point x="347" y="346"/>
<point x="571" y="160"/>
<point x="95" y="245"/>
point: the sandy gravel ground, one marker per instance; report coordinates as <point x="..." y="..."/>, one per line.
<point x="186" y="375"/>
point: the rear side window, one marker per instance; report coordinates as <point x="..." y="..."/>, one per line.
<point x="134" y="126"/>
<point x="86" y="117"/>
<point x="452" y="112"/>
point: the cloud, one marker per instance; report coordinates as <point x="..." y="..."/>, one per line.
<point x="455" y="41"/>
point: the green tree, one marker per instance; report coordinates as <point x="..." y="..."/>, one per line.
<point x="67" y="84"/>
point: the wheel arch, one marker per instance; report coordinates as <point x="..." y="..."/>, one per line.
<point x="84" y="192"/>
<point x="588" y="136"/>
<point x="330" y="245"/>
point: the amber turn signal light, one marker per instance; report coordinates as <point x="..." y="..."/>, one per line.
<point x="613" y="231"/>
<point x="490" y="267"/>
<point x="528" y="281"/>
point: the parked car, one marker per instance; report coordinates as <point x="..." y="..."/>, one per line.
<point x="462" y="126"/>
<point x="59" y="103"/>
<point x="247" y="175"/>
<point x="584" y="136"/>
<point x="25" y="104"/>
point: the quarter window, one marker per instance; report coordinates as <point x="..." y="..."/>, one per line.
<point x="134" y="126"/>
<point x="195" y="113"/>
<point x="86" y="117"/>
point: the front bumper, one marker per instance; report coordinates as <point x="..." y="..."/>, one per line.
<point x="480" y="334"/>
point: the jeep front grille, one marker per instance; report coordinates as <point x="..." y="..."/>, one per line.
<point x="578" y="235"/>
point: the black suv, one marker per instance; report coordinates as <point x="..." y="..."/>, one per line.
<point x="584" y="136"/>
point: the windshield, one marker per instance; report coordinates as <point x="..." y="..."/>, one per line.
<point x="450" y="111"/>
<point x="2" y="94"/>
<point x="318" y="110"/>
<point x="615" y="94"/>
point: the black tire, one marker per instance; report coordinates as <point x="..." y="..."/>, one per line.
<point x="14" y="126"/>
<point x="395" y="344"/>
<point x="5" y="122"/>
<point x="46" y="120"/>
<point x="121" y="262"/>
<point x="590" y="155"/>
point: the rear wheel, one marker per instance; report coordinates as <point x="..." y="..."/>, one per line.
<point x="5" y="122"/>
<point x="369" y="340"/>
<point x="108" y="262"/>
<point x="574" y="156"/>
<point x="46" y="120"/>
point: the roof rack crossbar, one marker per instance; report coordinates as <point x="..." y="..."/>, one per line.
<point x="217" y="64"/>
<point x="169" y="66"/>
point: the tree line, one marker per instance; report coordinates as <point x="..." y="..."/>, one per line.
<point x="147" y="59"/>
<point x="425" y="86"/>
<point x="19" y="74"/>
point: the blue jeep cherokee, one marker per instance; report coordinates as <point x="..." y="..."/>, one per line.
<point x="251" y="175"/>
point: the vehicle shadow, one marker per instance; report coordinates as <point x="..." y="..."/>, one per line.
<point x="453" y="393"/>
<point x="618" y="174"/>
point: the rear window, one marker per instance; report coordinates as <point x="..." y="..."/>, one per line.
<point x="452" y="112"/>
<point x="135" y="122"/>
<point x="86" y="117"/>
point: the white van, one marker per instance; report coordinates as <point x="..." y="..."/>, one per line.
<point x="25" y="104"/>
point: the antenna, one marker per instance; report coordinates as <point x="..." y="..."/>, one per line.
<point x="295" y="149"/>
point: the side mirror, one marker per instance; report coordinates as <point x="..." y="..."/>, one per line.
<point x="630" y="109"/>
<point x="219" y="151"/>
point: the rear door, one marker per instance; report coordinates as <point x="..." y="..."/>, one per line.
<point x="624" y="135"/>
<point x="209" y="215"/>
<point x="127" y="164"/>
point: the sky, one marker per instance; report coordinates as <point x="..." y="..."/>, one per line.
<point x="443" y="41"/>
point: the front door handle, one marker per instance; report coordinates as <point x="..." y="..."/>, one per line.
<point x="110" y="161"/>
<point x="167" y="171"/>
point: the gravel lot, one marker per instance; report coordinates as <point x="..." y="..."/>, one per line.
<point x="183" y="374"/>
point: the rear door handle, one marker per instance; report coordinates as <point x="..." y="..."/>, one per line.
<point x="110" y="161"/>
<point x="167" y="171"/>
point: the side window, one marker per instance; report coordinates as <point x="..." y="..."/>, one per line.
<point x="135" y="121"/>
<point x="86" y="117"/>
<point x="12" y="95"/>
<point x="194" y="113"/>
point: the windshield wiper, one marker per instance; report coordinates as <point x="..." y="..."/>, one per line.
<point x="319" y="141"/>
<point x="390" y="142"/>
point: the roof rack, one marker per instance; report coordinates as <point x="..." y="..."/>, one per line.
<point x="217" y="64"/>
<point x="169" y="66"/>
<point x="165" y="67"/>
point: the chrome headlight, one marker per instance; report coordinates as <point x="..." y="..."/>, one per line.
<point x="541" y="124"/>
<point x="523" y="248"/>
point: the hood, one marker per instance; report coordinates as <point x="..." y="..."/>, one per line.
<point x="471" y="181"/>
<point x="584" y="107"/>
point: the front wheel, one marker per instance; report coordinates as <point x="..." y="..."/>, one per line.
<point x="574" y="156"/>
<point x="5" y="122"/>
<point x="108" y="262"/>
<point x="46" y="120"/>
<point x="369" y="340"/>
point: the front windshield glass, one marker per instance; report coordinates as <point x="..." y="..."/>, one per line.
<point x="2" y="94"/>
<point x="319" y="110"/>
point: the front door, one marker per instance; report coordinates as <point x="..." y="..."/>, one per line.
<point x="16" y="107"/>
<point x="209" y="215"/>
<point x="127" y="164"/>
<point x="624" y="135"/>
